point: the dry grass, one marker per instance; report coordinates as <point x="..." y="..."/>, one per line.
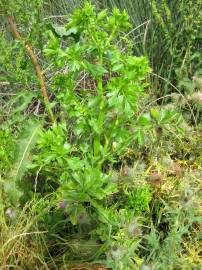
<point x="20" y="242"/>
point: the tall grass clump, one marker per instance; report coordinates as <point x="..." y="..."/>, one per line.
<point x="170" y="36"/>
<point x="21" y="241"/>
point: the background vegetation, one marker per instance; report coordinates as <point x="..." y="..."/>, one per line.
<point x="100" y="139"/>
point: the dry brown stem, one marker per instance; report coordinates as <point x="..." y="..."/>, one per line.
<point x="35" y="62"/>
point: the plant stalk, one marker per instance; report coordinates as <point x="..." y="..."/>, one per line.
<point x="37" y="67"/>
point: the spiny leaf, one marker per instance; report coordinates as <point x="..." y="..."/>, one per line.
<point x="25" y="145"/>
<point x="63" y="31"/>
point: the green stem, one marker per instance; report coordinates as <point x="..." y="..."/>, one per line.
<point x="97" y="140"/>
<point x="110" y="38"/>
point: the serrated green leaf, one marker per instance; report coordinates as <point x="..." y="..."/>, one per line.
<point x="95" y="70"/>
<point x="63" y="31"/>
<point x="22" y="160"/>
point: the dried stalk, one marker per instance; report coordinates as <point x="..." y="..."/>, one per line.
<point x="35" y="62"/>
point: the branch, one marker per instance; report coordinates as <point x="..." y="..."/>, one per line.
<point x="35" y="62"/>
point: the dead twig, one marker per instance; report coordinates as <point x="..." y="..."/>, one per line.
<point x="35" y="62"/>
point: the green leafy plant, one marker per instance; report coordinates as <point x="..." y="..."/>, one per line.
<point x="169" y="34"/>
<point x="100" y="96"/>
<point x="100" y="115"/>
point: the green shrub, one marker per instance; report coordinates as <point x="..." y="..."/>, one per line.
<point x="100" y="97"/>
